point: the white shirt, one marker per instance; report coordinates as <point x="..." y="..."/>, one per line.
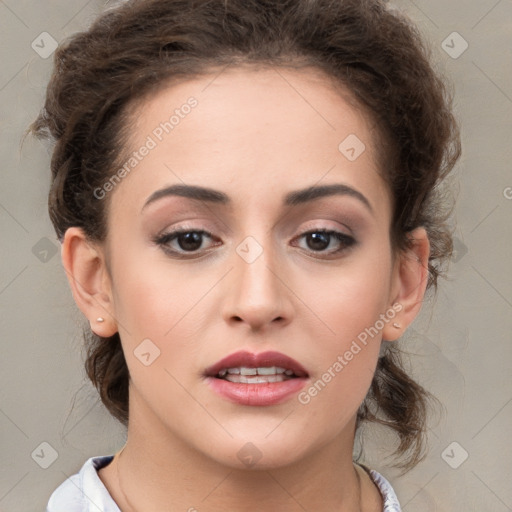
<point x="85" y="492"/>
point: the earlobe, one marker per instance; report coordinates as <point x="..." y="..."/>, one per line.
<point x="409" y="284"/>
<point x="88" y="278"/>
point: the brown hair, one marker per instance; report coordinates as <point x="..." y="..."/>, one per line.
<point x="375" y="53"/>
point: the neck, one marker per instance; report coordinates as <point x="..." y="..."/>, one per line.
<point x="157" y="471"/>
<point x="149" y="489"/>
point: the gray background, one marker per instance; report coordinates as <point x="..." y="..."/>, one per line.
<point x="461" y="344"/>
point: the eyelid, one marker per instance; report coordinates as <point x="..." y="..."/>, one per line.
<point x="164" y="239"/>
<point x="346" y="242"/>
<point x="325" y="225"/>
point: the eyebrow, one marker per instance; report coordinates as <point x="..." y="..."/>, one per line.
<point x="293" y="198"/>
<point x="190" y="191"/>
<point x="308" y="194"/>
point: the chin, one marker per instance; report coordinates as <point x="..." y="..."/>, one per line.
<point x="258" y="452"/>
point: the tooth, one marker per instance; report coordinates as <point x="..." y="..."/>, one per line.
<point x="267" y="371"/>
<point x="263" y="370"/>
<point x="250" y="379"/>
<point x="248" y="371"/>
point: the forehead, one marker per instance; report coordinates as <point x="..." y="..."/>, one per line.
<point x="306" y="102"/>
<point x="256" y="128"/>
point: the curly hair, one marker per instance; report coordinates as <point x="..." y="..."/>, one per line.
<point x="371" y="51"/>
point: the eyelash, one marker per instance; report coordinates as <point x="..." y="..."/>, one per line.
<point x="165" y="239"/>
<point x="346" y="242"/>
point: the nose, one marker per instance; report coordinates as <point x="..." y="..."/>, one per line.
<point x="258" y="295"/>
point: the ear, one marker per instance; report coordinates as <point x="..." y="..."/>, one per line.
<point x="84" y="263"/>
<point x="409" y="283"/>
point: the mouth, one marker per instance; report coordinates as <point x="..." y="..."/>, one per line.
<point x="250" y="368"/>
<point x="246" y="378"/>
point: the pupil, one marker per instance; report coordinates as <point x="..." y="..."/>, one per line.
<point x="318" y="241"/>
<point x="190" y="241"/>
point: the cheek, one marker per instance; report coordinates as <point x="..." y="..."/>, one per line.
<point x="155" y="300"/>
<point x="157" y="330"/>
<point x="150" y="297"/>
<point x="353" y="297"/>
<point x="353" y="310"/>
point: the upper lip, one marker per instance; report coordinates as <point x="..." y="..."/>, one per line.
<point x="251" y="360"/>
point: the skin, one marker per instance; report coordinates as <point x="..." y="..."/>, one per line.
<point x="255" y="138"/>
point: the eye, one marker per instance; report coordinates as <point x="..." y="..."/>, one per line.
<point x="183" y="241"/>
<point x="326" y="241"/>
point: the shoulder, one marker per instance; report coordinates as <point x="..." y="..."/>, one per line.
<point x="84" y="491"/>
<point x="389" y="498"/>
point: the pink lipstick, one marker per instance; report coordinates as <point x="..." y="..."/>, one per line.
<point x="268" y="378"/>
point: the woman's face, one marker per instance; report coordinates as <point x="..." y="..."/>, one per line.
<point x="286" y="265"/>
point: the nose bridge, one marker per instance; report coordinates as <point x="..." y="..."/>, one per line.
<point x="256" y="295"/>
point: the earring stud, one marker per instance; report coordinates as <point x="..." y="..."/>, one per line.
<point x="396" y="326"/>
<point x="99" y="319"/>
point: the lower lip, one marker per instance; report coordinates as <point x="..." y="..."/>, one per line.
<point x="256" y="394"/>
